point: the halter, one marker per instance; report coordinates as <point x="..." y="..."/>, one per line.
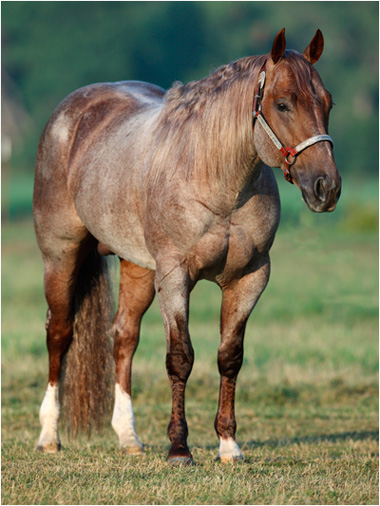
<point x="285" y="150"/>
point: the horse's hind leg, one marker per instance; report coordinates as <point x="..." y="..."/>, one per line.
<point x="59" y="281"/>
<point x="136" y="295"/>
<point x="239" y="298"/>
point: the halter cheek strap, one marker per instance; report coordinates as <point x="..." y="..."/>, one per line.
<point x="285" y="150"/>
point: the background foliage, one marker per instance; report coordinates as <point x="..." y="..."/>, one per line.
<point x="51" y="48"/>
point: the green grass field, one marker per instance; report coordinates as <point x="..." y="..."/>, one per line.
<point x="307" y="396"/>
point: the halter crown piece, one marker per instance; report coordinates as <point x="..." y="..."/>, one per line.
<point x="285" y="150"/>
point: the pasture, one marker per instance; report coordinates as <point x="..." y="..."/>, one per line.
<point x="307" y="395"/>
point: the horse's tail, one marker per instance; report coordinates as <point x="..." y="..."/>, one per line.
<point x="88" y="370"/>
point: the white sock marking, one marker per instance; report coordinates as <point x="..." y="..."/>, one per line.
<point x="49" y="417"/>
<point x="229" y="449"/>
<point x="123" y="420"/>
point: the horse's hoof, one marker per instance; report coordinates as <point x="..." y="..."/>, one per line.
<point x="49" y="448"/>
<point x="230" y="459"/>
<point x="180" y="461"/>
<point x="132" y="450"/>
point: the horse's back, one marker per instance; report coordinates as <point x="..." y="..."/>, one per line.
<point x="123" y="97"/>
<point x="87" y="109"/>
<point x="118" y="94"/>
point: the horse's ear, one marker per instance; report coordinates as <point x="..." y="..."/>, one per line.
<point x="279" y="46"/>
<point x="314" y="50"/>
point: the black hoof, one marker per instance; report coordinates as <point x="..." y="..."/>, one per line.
<point x="180" y="461"/>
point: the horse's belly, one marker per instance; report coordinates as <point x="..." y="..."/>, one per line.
<point x="129" y="248"/>
<point x="119" y="232"/>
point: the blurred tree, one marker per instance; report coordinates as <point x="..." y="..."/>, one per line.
<point x="51" y="48"/>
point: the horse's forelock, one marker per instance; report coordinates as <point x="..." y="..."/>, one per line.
<point x="302" y="72"/>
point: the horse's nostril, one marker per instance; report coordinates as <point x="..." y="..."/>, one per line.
<point x="319" y="189"/>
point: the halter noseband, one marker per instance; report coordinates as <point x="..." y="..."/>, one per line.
<point x="285" y="150"/>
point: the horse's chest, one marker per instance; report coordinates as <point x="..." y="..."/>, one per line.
<point x="244" y="244"/>
<point x="228" y="248"/>
<point x="250" y="235"/>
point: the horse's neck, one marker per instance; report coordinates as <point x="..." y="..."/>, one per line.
<point x="223" y="195"/>
<point x="204" y="134"/>
<point x="229" y="160"/>
<point x="235" y="169"/>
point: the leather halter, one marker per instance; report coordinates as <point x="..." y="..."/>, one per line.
<point x="285" y="150"/>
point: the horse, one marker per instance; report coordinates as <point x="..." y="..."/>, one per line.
<point x="179" y="185"/>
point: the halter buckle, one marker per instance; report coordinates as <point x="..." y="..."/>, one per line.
<point x="287" y="174"/>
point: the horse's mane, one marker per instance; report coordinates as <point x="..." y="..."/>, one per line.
<point x="199" y="125"/>
<point x="205" y="127"/>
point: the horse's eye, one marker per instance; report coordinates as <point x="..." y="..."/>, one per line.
<point x="282" y="107"/>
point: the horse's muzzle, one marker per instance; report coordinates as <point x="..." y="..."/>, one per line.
<point x="323" y="194"/>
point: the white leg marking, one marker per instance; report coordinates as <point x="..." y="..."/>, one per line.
<point x="123" y="422"/>
<point x="49" y="416"/>
<point x="229" y="450"/>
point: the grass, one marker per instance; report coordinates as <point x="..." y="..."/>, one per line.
<point x="307" y="396"/>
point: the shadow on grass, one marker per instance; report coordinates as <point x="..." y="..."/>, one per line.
<point x="321" y="438"/>
<point x="307" y="440"/>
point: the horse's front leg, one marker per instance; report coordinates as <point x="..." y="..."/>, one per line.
<point x="173" y="288"/>
<point x="239" y="298"/>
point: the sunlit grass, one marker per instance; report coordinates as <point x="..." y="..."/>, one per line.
<point x="307" y="395"/>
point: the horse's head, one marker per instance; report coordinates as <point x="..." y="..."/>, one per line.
<point x="291" y="115"/>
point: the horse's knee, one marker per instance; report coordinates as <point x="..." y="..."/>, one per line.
<point x="230" y="358"/>
<point x="180" y="359"/>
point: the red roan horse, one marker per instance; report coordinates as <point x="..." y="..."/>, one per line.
<point x="177" y="184"/>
